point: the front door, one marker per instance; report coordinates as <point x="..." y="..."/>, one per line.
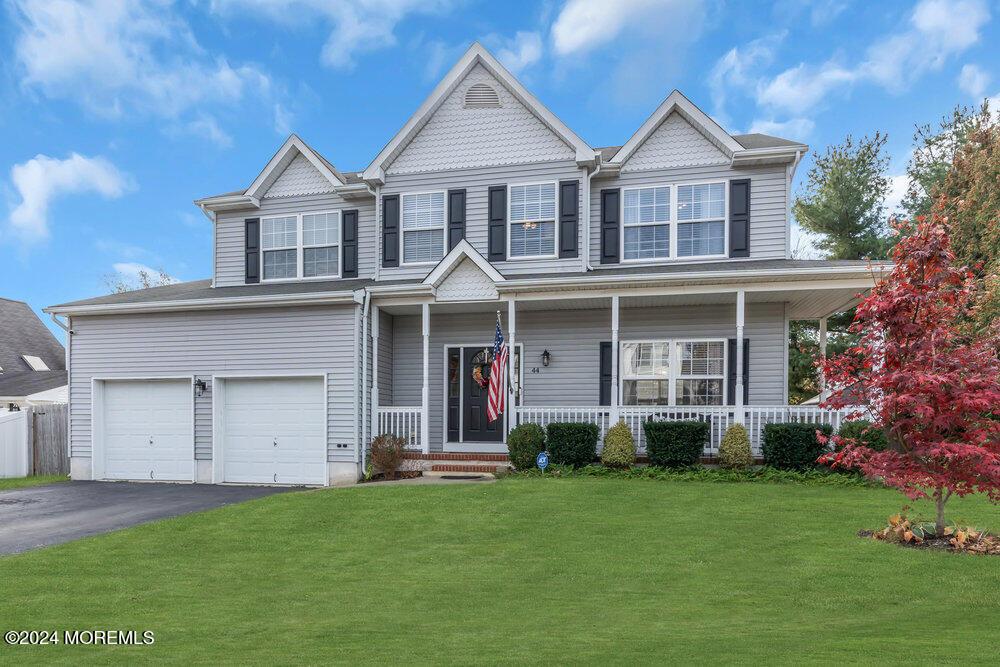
<point x="475" y="425"/>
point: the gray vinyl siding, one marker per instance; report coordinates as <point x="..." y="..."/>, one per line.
<point x="476" y="183"/>
<point x="230" y="263"/>
<point x="573" y="339"/>
<point x="269" y="341"/>
<point x="768" y="203"/>
<point x="385" y="358"/>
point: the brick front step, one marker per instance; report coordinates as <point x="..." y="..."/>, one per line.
<point x="456" y="456"/>
<point x="457" y="467"/>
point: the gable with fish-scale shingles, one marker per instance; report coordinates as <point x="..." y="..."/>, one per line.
<point x="300" y="177"/>
<point x="675" y="143"/>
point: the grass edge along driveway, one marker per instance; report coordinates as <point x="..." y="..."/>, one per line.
<point x="523" y="570"/>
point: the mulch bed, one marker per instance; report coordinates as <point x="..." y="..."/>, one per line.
<point x="988" y="545"/>
<point x="402" y="474"/>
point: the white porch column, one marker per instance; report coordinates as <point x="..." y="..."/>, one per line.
<point x="740" y="312"/>
<point x="425" y="430"/>
<point x="822" y="355"/>
<point x="374" y="403"/>
<point x="615" y="409"/>
<point x="511" y="413"/>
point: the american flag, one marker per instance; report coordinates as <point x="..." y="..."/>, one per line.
<point x="497" y="396"/>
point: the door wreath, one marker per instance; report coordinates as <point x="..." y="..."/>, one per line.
<point x="481" y="367"/>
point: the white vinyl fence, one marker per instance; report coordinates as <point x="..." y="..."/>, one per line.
<point x="15" y="449"/>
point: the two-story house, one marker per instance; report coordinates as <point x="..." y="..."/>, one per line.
<point x="648" y="280"/>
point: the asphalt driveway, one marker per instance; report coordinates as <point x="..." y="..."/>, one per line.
<point x="40" y="516"/>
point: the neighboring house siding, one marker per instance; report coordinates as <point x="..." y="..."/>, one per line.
<point x="768" y="204"/>
<point x="268" y="341"/>
<point x="460" y="138"/>
<point x="573" y="338"/>
<point x="230" y="263"/>
<point x="476" y="182"/>
<point x="300" y="177"/>
<point x="675" y="143"/>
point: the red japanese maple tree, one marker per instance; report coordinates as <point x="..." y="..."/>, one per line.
<point x="932" y="387"/>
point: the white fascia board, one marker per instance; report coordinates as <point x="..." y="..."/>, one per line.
<point x="772" y="154"/>
<point x="462" y="250"/>
<point x="477" y="53"/>
<point x="745" y="276"/>
<point x="293" y="142"/>
<point x="206" y="304"/>
<point x="227" y="203"/>
<point x="677" y="102"/>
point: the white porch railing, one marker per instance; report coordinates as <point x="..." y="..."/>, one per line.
<point x="720" y="418"/>
<point x="403" y="422"/>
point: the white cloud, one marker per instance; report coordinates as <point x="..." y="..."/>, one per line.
<point x="357" y="27"/>
<point x="135" y="270"/>
<point x="116" y="58"/>
<point x="282" y="120"/>
<point x="938" y="30"/>
<point x="524" y="50"/>
<point x="737" y="69"/>
<point x="42" y="179"/>
<point x="795" y="128"/>
<point x="898" y="185"/>
<point x="973" y="80"/>
<point x="206" y="127"/>
<point x="584" y="25"/>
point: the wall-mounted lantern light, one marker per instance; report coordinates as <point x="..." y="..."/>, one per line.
<point x="546" y="357"/>
<point x="199" y="387"/>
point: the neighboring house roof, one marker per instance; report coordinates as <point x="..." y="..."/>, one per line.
<point x="756" y="140"/>
<point x="25" y="383"/>
<point x="476" y="54"/>
<point x="22" y="333"/>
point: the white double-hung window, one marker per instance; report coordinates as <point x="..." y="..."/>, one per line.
<point x="532" y="220"/>
<point x="279" y="240"/>
<point x="671" y="372"/>
<point x="646" y="223"/>
<point x="298" y="246"/>
<point x="423" y="227"/>
<point x="701" y="219"/>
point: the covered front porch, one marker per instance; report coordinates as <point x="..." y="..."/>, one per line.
<point x="713" y="352"/>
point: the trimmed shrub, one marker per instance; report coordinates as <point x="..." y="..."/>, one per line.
<point x="866" y="434"/>
<point x="387" y="454"/>
<point x="619" y="447"/>
<point x="734" y="451"/>
<point x="793" y="445"/>
<point x="675" y="443"/>
<point x="572" y="443"/>
<point x="524" y="444"/>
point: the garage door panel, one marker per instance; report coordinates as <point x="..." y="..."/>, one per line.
<point x="147" y="427"/>
<point x="274" y="430"/>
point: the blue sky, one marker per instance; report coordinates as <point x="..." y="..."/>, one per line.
<point x="114" y="117"/>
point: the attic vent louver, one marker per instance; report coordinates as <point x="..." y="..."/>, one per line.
<point x="481" y="96"/>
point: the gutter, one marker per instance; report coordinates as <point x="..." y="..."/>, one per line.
<point x="364" y="379"/>
<point x="319" y="298"/>
<point x="587" y="266"/>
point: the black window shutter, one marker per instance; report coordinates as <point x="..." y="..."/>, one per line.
<point x="252" y="247"/>
<point x="605" y="374"/>
<point x="731" y="372"/>
<point x="456" y="217"/>
<point x="497" y="223"/>
<point x="390" y="230"/>
<point x="739" y="218"/>
<point x="349" y="244"/>
<point x="569" y="218"/>
<point x="609" y="226"/>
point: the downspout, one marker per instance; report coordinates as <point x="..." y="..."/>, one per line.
<point x="587" y="266"/>
<point x="68" y="328"/>
<point x="788" y="203"/>
<point x="364" y="377"/>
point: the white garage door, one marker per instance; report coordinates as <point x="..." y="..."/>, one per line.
<point x="147" y="430"/>
<point x="274" y="431"/>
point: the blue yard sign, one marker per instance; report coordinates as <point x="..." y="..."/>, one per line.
<point x="542" y="461"/>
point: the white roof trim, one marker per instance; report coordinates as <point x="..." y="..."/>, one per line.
<point x="280" y="160"/>
<point x="459" y="253"/>
<point x="476" y="54"/>
<point x="207" y="304"/>
<point x="677" y="102"/>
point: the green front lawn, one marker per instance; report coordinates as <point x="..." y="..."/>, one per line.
<point x="523" y="570"/>
<point x="20" y="482"/>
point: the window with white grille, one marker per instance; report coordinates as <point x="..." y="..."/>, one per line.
<point x="646" y="223"/>
<point x="701" y="214"/>
<point x="532" y="215"/>
<point x="423" y="227"/>
<point x="673" y="372"/>
<point x="299" y="246"/>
